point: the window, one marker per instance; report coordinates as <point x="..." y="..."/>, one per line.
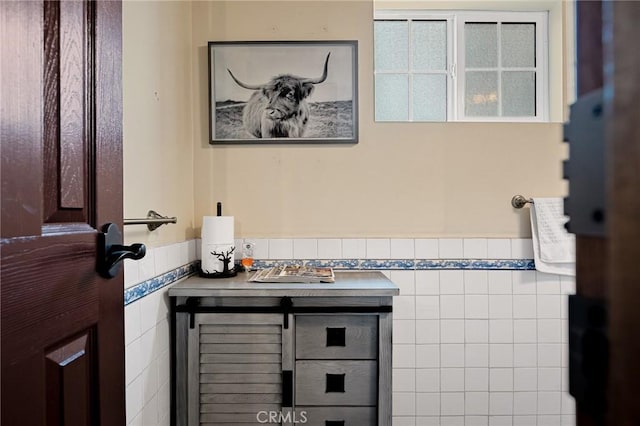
<point x="460" y="66"/>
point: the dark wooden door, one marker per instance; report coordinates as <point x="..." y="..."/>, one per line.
<point x="591" y="252"/>
<point x="622" y="81"/>
<point x="61" y="110"/>
<point x="608" y="268"/>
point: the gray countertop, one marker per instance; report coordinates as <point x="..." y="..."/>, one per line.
<point x="348" y="283"/>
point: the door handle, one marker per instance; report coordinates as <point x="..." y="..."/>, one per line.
<point x="111" y="251"/>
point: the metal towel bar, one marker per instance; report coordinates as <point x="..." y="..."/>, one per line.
<point x="154" y="220"/>
<point x="518" y="201"/>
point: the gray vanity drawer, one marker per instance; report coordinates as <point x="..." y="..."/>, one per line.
<point x="336" y="383"/>
<point x="336" y="336"/>
<point x="339" y="416"/>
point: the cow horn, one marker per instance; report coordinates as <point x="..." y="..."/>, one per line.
<point x="324" y="74"/>
<point x="241" y="84"/>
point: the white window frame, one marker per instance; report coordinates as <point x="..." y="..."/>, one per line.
<point x="456" y="61"/>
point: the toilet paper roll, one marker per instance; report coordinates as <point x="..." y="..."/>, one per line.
<point x="217" y="230"/>
<point x="212" y="263"/>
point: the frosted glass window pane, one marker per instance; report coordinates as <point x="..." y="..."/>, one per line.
<point x="518" y="45"/>
<point x="519" y="94"/>
<point x="430" y="97"/>
<point x="481" y="45"/>
<point x="392" y="97"/>
<point x="429" y="43"/>
<point x="391" y="45"/>
<point x="481" y="94"/>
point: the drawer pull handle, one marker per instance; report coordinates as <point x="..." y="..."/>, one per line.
<point x="335" y="383"/>
<point x="287" y="388"/>
<point x="334" y="423"/>
<point x="336" y="336"/>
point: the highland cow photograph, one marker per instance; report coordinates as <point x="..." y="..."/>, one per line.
<point x="283" y="92"/>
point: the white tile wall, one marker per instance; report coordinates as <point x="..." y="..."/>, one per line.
<point x="148" y="373"/>
<point x="260" y="248"/>
<point x="159" y="260"/>
<point x="354" y="248"/>
<point x="498" y="248"/>
<point x="470" y="347"/>
<point x="329" y="248"/>
<point x="378" y="248"/>
<point x="488" y="345"/>
<point x="475" y="248"/>
<point x="476" y="282"/>
<point x="451" y="282"/>
<point x="521" y="248"/>
<point x="402" y="248"/>
<point x="305" y="248"/>
<point x="426" y="248"/>
<point x="280" y="248"/>
<point x="450" y="248"/>
<point x="147" y="365"/>
<point x="427" y="282"/>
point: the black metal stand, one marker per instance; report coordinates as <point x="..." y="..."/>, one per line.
<point x="227" y="274"/>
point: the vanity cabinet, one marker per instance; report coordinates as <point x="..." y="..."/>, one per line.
<point x="256" y="353"/>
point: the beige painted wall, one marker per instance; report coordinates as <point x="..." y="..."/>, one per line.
<point x="402" y="179"/>
<point x="158" y="112"/>
<point x="417" y="179"/>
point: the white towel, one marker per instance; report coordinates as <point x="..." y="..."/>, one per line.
<point x="554" y="248"/>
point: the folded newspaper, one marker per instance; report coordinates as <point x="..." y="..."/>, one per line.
<point x="294" y="274"/>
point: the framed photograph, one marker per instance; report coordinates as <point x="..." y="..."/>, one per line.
<point x="283" y="92"/>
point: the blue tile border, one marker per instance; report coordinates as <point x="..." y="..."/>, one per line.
<point x="478" y="264"/>
<point x="407" y="264"/>
<point x="145" y="288"/>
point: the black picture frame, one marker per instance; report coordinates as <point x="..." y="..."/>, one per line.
<point x="283" y="92"/>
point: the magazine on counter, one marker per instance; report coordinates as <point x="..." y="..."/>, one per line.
<point x="294" y="274"/>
